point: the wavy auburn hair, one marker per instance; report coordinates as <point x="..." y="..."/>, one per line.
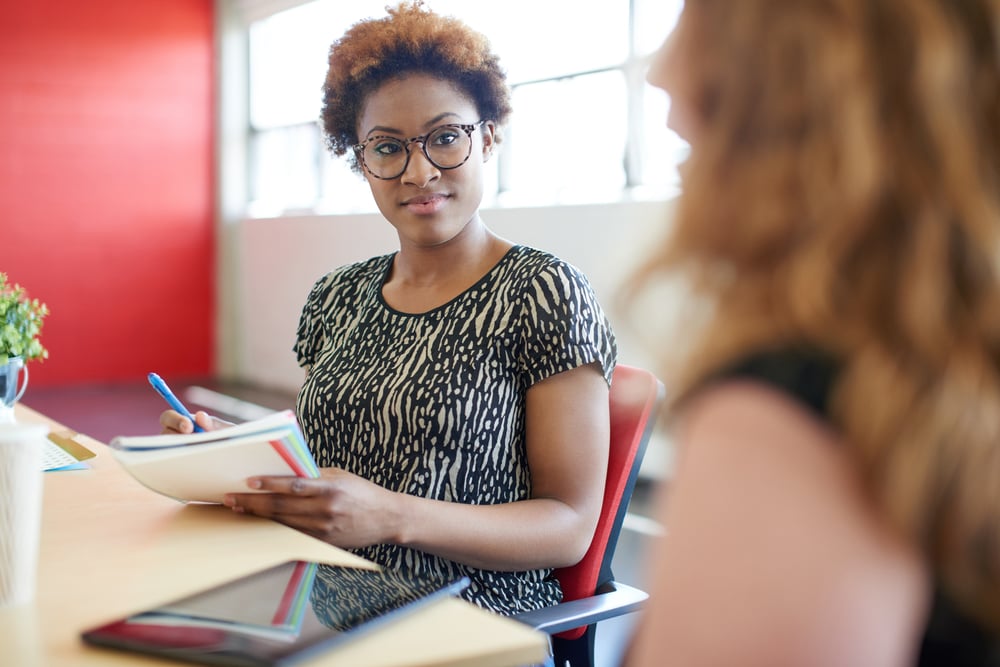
<point x="411" y="39"/>
<point x="842" y="193"/>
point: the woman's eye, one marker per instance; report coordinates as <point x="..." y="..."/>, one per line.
<point x="445" y="138"/>
<point x="387" y="148"/>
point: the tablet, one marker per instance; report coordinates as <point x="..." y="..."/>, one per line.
<point x="274" y="617"/>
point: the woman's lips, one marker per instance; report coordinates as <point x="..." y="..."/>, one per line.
<point x="425" y="204"/>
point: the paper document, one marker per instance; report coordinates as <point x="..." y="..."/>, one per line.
<point x="64" y="452"/>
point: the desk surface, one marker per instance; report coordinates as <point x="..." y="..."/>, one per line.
<point x="109" y="547"/>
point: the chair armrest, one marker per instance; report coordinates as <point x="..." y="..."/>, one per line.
<point x="612" y="599"/>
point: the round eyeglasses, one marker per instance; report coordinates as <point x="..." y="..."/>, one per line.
<point x="446" y="147"/>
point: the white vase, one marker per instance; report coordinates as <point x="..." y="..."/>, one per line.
<point x="11" y="387"/>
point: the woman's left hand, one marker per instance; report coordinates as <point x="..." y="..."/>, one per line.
<point x="337" y="507"/>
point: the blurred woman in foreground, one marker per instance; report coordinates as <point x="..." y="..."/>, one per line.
<point x="837" y="497"/>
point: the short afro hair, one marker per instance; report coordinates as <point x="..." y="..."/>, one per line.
<point x="410" y="39"/>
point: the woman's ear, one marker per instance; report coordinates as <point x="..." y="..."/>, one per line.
<point x="490" y="139"/>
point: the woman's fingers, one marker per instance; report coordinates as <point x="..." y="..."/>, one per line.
<point x="339" y="508"/>
<point x="172" y="421"/>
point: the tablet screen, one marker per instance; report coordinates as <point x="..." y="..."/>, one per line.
<point x="276" y="616"/>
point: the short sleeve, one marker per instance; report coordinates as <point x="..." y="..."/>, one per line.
<point x="562" y="325"/>
<point x="334" y="302"/>
<point x="310" y="336"/>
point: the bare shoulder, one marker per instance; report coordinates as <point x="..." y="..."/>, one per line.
<point x="774" y="554"/>
<point x="743" y="404"/>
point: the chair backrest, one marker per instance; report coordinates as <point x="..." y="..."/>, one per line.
<point x="635" y="396"/>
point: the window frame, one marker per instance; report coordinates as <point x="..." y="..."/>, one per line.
<point x="235" y="21"/>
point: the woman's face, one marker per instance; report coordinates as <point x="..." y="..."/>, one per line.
<point x="427" y="205"/>
<point x="668" y="72"/>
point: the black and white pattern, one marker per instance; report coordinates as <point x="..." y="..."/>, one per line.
<point x="432" y="404"/>
<point x="343" y="598"/>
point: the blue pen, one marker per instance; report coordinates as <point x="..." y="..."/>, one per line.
<point x="163" y="390"/>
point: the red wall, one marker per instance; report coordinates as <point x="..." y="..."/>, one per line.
<point x="106" y="193"/>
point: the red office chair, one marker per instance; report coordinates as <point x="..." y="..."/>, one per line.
<point x="590" y="592"/>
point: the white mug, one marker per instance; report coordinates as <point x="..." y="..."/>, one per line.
<point x="21" y="457"/>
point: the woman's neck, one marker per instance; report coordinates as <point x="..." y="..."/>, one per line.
<point x="424" y="278"/>
<point x="475" y="250"/>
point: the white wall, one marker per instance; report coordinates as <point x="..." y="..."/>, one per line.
<point x="275" y="262"/>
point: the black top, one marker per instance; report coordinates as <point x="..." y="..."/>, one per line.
<point x="951" y="638"/>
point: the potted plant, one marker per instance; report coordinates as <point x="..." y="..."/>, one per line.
<point x="20" y="325"/>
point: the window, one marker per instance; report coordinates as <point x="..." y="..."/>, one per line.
<point x="585" y="128"/>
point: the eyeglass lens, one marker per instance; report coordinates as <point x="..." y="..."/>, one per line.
<point x="447" y="147"/>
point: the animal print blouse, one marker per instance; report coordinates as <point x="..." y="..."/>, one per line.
<point x="433" y="404"/>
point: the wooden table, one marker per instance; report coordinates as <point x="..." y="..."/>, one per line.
<point x="110" y="547"/>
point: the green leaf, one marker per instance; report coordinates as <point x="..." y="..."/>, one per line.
<point x="21" y="322"/>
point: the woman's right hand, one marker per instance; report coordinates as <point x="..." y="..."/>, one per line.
<point x="174" y="422"/>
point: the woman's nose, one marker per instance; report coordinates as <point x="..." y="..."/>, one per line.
<point x="658" y="74"/>
<point x="419" y="171"/>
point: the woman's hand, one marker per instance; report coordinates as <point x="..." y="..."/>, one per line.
<point x="174" y="422"/>
<point x="337" y="507"/>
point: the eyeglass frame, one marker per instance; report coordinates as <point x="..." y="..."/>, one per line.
<point x="468" y="128"/>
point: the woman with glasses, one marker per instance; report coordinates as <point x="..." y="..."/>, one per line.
<point x="837" y="494"/>
<point x="457" y="390"/>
